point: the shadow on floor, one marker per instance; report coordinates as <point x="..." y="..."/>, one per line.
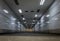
<point x="30" y="34"/>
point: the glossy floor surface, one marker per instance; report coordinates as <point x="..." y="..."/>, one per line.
<point x="29" y="38"/>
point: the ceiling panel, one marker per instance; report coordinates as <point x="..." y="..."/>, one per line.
<point x="29" y="5"/>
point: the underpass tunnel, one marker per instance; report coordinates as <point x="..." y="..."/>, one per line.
<point x="30" y="16"/>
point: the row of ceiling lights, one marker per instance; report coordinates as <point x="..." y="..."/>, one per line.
<point x="33" y="20"/>
<point x="22" y="18"/>
<point x="8" y="12"/>
<point x="41" y="3"/>
<point x="25" y="19"/>
<point x="12" y="18"/>
<point x="20" y="11"/>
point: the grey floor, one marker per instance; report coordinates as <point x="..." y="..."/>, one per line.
<point x="29" y="38"/>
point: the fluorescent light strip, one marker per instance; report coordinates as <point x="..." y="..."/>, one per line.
<point x="42" y="2"/>
<point x="5" y="11"/>
<point x="20" y="11"/>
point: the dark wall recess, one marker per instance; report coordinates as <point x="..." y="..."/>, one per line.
<point x="16" y="2"/>
<point x="26" y="11"/>
<point x="32" y="11"/>
<point x="38" y="10"/>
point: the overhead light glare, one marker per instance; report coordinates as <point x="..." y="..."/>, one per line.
<point x="47" y="15"/>
<point x="42" y="2"/>
<point x="36" y="15"/>
<point x="5" y="11"/>
<point x="23" y="18"/>
<point x="20" y="11"/>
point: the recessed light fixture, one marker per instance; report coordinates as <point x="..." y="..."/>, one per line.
<point x="36" y="15"/>
<point x="23" y="18"/>
<point x="5" y="11"/>
<point x="42" y="2"/>
<point x="47" y="15"/>
<point x="20" y="11"/>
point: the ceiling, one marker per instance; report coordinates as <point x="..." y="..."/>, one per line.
<point x="29" y="9"/>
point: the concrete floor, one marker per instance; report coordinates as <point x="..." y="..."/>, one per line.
<point x="29" y="38"/>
